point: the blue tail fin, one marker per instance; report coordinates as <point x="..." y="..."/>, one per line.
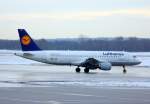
<point x="27" y="44"/>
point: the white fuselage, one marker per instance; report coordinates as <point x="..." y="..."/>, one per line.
<point x="116" y="58"/>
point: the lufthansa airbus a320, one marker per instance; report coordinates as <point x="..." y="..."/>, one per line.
<point x="90" y="60"/>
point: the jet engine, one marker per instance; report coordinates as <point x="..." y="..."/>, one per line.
<point x="106" y="66"/>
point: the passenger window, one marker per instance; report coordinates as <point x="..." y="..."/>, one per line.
<point x="134" y="56"/>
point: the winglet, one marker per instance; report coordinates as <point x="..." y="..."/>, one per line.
<point x="27" y="44"/>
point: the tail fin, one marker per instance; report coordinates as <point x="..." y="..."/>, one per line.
<point x="27" y="44"/>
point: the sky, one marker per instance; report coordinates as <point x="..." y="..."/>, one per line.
<point x="75" y="18"/>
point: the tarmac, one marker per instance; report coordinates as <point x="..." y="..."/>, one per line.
<point x="73" y="95"/>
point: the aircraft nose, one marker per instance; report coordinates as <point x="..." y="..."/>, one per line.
<point x="138" y="62"/>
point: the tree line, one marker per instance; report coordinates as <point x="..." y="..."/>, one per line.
<point x="131" y="44"/>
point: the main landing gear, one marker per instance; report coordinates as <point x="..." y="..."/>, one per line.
<point x="78" y="70"/>
<point x="124" y="70"/>
<point x="86" y="70"/>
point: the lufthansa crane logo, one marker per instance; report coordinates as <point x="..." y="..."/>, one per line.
<point x="26" y="40"/>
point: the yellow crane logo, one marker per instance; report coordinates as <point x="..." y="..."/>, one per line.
<point x="26" y="40"/>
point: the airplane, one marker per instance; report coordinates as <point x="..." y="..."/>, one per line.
<point x="90" y="60"/>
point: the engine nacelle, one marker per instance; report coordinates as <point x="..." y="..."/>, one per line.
<point x="106" y="66"/>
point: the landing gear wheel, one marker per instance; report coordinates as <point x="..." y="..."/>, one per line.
<point x="86" y="70"/>
<point x="124" y="70"/>
<point x="78" y="70"/>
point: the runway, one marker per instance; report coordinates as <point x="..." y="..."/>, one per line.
<point x="23" y="81"/>
<point x="73" y="95"/>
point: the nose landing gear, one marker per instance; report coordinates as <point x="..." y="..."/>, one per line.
<point x="124" y="70"/>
